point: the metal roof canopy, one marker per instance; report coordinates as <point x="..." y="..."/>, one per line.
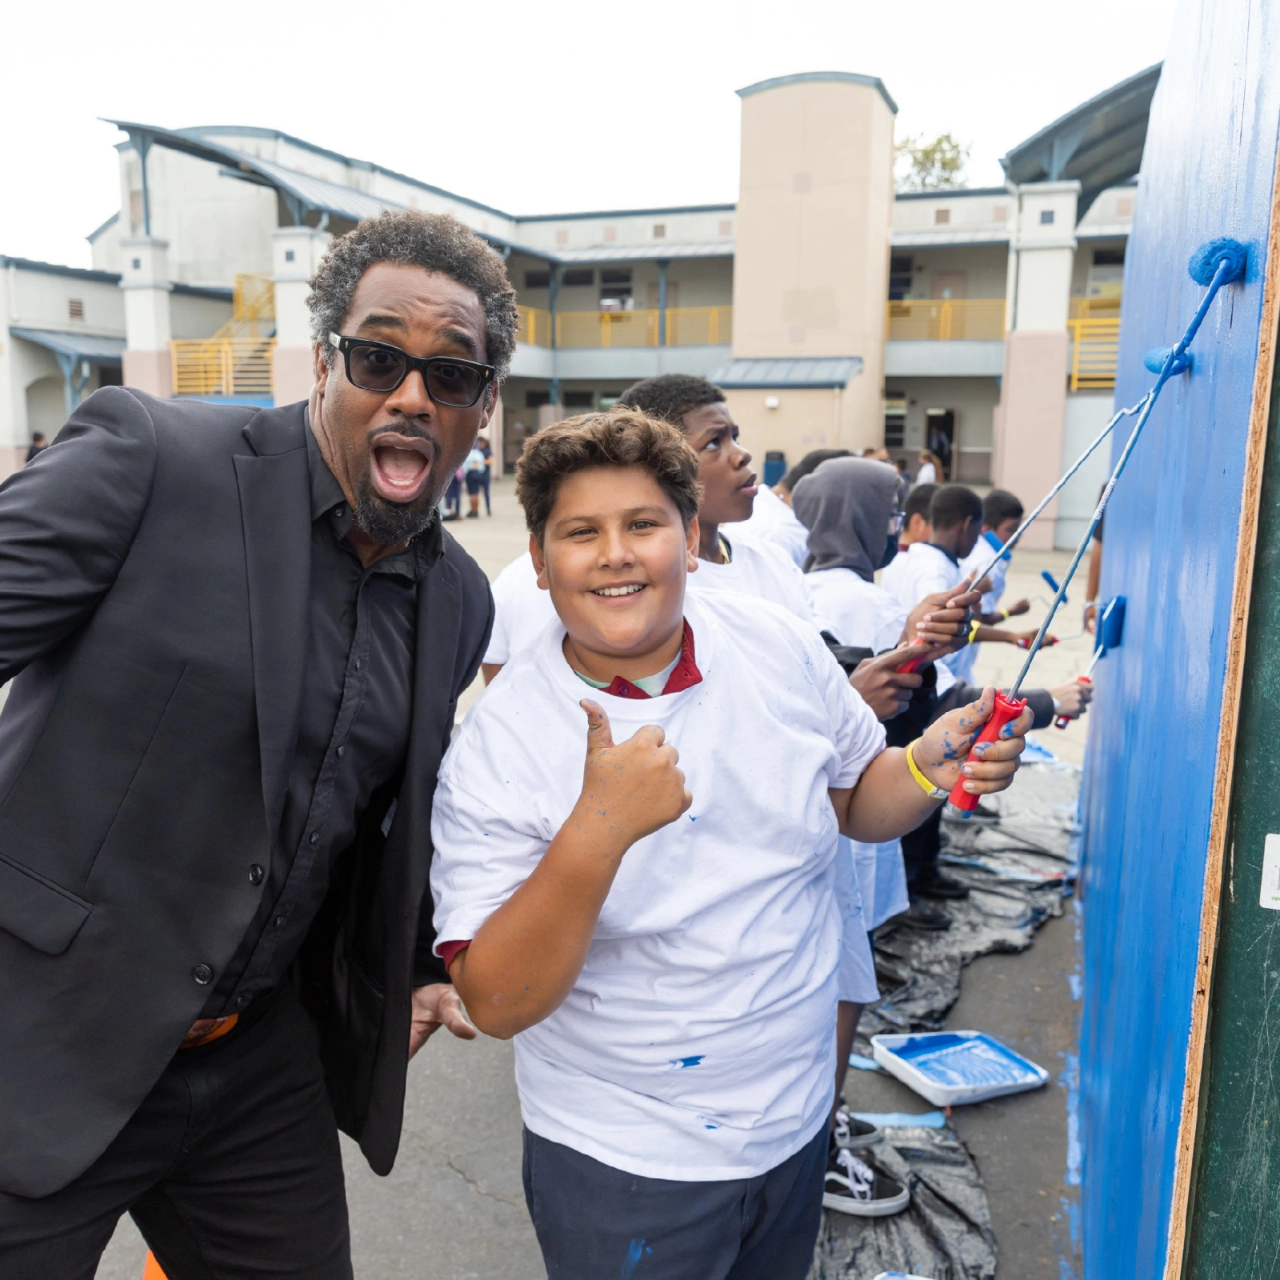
<point x="302" y="193"/>
<point x="838" y="77"/>
<point x="800" y="372"/>
<point x="77" y="346"/>
<point x="656" y="252"/>
<point x="1099" y="143"/>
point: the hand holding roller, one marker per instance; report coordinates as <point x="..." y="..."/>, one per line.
<point x="962" y="803"/>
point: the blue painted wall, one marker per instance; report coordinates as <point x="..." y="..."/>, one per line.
<point x="1171" y="535"/>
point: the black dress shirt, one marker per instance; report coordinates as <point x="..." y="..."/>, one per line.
<point x="353" y="730"/>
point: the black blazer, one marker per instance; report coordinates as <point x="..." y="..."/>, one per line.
<point x="154" y="573"/>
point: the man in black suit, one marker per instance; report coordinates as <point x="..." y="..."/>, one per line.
<point x="236" y="639"/>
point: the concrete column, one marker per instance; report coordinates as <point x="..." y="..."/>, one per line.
<point x="1029" y="420"/>
<point x="295" y="255"/>
<point x="14" y="434"/>
<point x="145" y="281"/>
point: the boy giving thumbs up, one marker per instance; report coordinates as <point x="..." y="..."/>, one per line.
<point x="642" y="894"/>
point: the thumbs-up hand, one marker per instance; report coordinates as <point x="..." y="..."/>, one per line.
<point x="633" y="787"/>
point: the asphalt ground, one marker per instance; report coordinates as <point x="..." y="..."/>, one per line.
<point x="453" y="1208"/>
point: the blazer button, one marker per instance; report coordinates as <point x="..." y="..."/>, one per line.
<point x="255" y="874"/>
<point x="202" y="974"/>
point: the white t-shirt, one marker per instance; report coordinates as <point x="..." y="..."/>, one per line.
<point x="928" y="474"/>
<point x="520" y="610"/>
<point x="978" y="559"/>
<point x="759" y="570"/>
<point x="856" y="612"/>
<point x="774" y="523"/>
<point x="698" y="1042"/>
<point x="917" y="572"/>
<point x="861" y="614"/>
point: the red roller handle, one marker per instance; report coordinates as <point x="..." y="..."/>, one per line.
<point x="1006" y="709"/>
<point x="910" y="668"/>
<point x="1062" y="721"/>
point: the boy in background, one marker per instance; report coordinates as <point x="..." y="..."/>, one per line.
<point x="661" y="937"/>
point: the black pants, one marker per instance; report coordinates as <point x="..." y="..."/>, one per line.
<point x="920" y="848"/>
<point x="230" y="1168"/>
<point x="595" y="1222"/>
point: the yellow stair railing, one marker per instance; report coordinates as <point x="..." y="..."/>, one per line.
<point x="533" y="326"/>
<point x="699" y="326"/>
<point x="1107" y="308"/>
<point x="945" y="319"/>
<point x="1095" y="351"/>
<point x="236" y="359"/>
<point x="685" y="327"/>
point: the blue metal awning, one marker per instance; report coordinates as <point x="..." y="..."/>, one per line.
<point x="806" y="372"/>
<point x="1099" y="143"/>
<point x="76" y="346"/>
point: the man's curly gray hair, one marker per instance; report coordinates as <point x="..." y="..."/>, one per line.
<point x="435" y="241"/>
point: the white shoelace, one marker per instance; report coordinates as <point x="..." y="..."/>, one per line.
<point x="861" y="1178"/>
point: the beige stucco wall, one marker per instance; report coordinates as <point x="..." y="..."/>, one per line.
<point x="811" y="269"/>
<point x="803" y="420"/>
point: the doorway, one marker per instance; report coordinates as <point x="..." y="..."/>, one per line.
<point x="940" y="438"/>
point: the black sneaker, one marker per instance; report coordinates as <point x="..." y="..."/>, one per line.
<point x="853" y="1134"/>
<point x="924" y="915"/>
<point x="933" y="883"/>
<point x="856" y="1188"/>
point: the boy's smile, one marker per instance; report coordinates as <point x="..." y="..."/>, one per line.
<point x="614" y="557"/>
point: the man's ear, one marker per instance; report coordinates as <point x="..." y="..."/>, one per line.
<point x="539" y="562"/>
<point x="691" y="546"/>
<point x="491" y="403"/>
<point x="321" y="369"/>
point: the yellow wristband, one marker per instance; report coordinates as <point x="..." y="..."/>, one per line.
<point x="1004" y="615"/>
<point x="934" y="793"/>
<point x="973" y="629"/>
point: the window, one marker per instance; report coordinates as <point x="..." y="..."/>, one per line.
<point x="75" y="308"/>
<point x="578" y="399"/>
<point x="659" y="230"/>
<point x="899" y="277"/>
<point x="895" y="419"/>
<point x="941" y="217"/>
<point x="536" y="399"/>
<point x="1046" y="217"/>
<point x="726" y="226"/>
<point x="537" y="279"/>
<point x="615" y="289"/>
<point x="578" y="276"/>
<point x="1109" y="257"/>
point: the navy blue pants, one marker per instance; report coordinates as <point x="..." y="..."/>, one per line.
<point x="595" y="1222"/>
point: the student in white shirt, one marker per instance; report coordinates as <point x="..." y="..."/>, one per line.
<point x="658" y="933"/>
<point x="1001" y="515"/>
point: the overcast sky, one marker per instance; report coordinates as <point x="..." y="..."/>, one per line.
<point x="532" y="107"/>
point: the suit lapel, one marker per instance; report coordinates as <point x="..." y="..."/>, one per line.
<point x="275" y="511"/>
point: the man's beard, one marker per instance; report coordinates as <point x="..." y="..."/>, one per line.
<point x="391" y="523"/>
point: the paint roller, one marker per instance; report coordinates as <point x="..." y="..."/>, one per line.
<point x="1110" y="632"/>
<point x="1213" y="265"/>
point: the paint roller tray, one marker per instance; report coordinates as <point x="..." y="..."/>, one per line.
<point x="954" y="1067"/>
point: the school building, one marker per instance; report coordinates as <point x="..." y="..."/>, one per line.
<point x="832" y="310"/>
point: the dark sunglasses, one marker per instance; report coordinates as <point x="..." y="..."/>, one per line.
<point x="378" y="366"/>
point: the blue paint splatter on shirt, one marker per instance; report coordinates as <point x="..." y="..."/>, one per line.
<point x="679" y="1064"/>
<point x="635" y="1251"/>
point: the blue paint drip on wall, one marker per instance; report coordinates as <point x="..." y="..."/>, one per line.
<point x="1170" y="548"/>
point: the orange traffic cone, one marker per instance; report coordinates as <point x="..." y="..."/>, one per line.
<point x="152" y="1270"/>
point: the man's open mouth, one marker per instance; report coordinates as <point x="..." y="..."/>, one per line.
<point x="400" y="466"/>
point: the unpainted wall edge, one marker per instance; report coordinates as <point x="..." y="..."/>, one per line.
<point x="1241" y="596"/>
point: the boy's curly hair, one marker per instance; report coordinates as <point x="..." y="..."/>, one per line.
<point x="619" y="438"/>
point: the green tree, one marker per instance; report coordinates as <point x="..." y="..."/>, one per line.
<point x="935" y="164"/>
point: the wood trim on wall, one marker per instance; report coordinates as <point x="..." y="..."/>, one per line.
<point x="1246" y="544"/>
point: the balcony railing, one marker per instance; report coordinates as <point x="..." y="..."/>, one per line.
<point x="945" y="320"/>
<point x="1096" y="308"/>
<point x="1095" y="348"/>
<point x="222" y="367"/>
<point x="685" y="327"/>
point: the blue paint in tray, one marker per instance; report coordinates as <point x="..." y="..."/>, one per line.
<point x="952" y="1067"/>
